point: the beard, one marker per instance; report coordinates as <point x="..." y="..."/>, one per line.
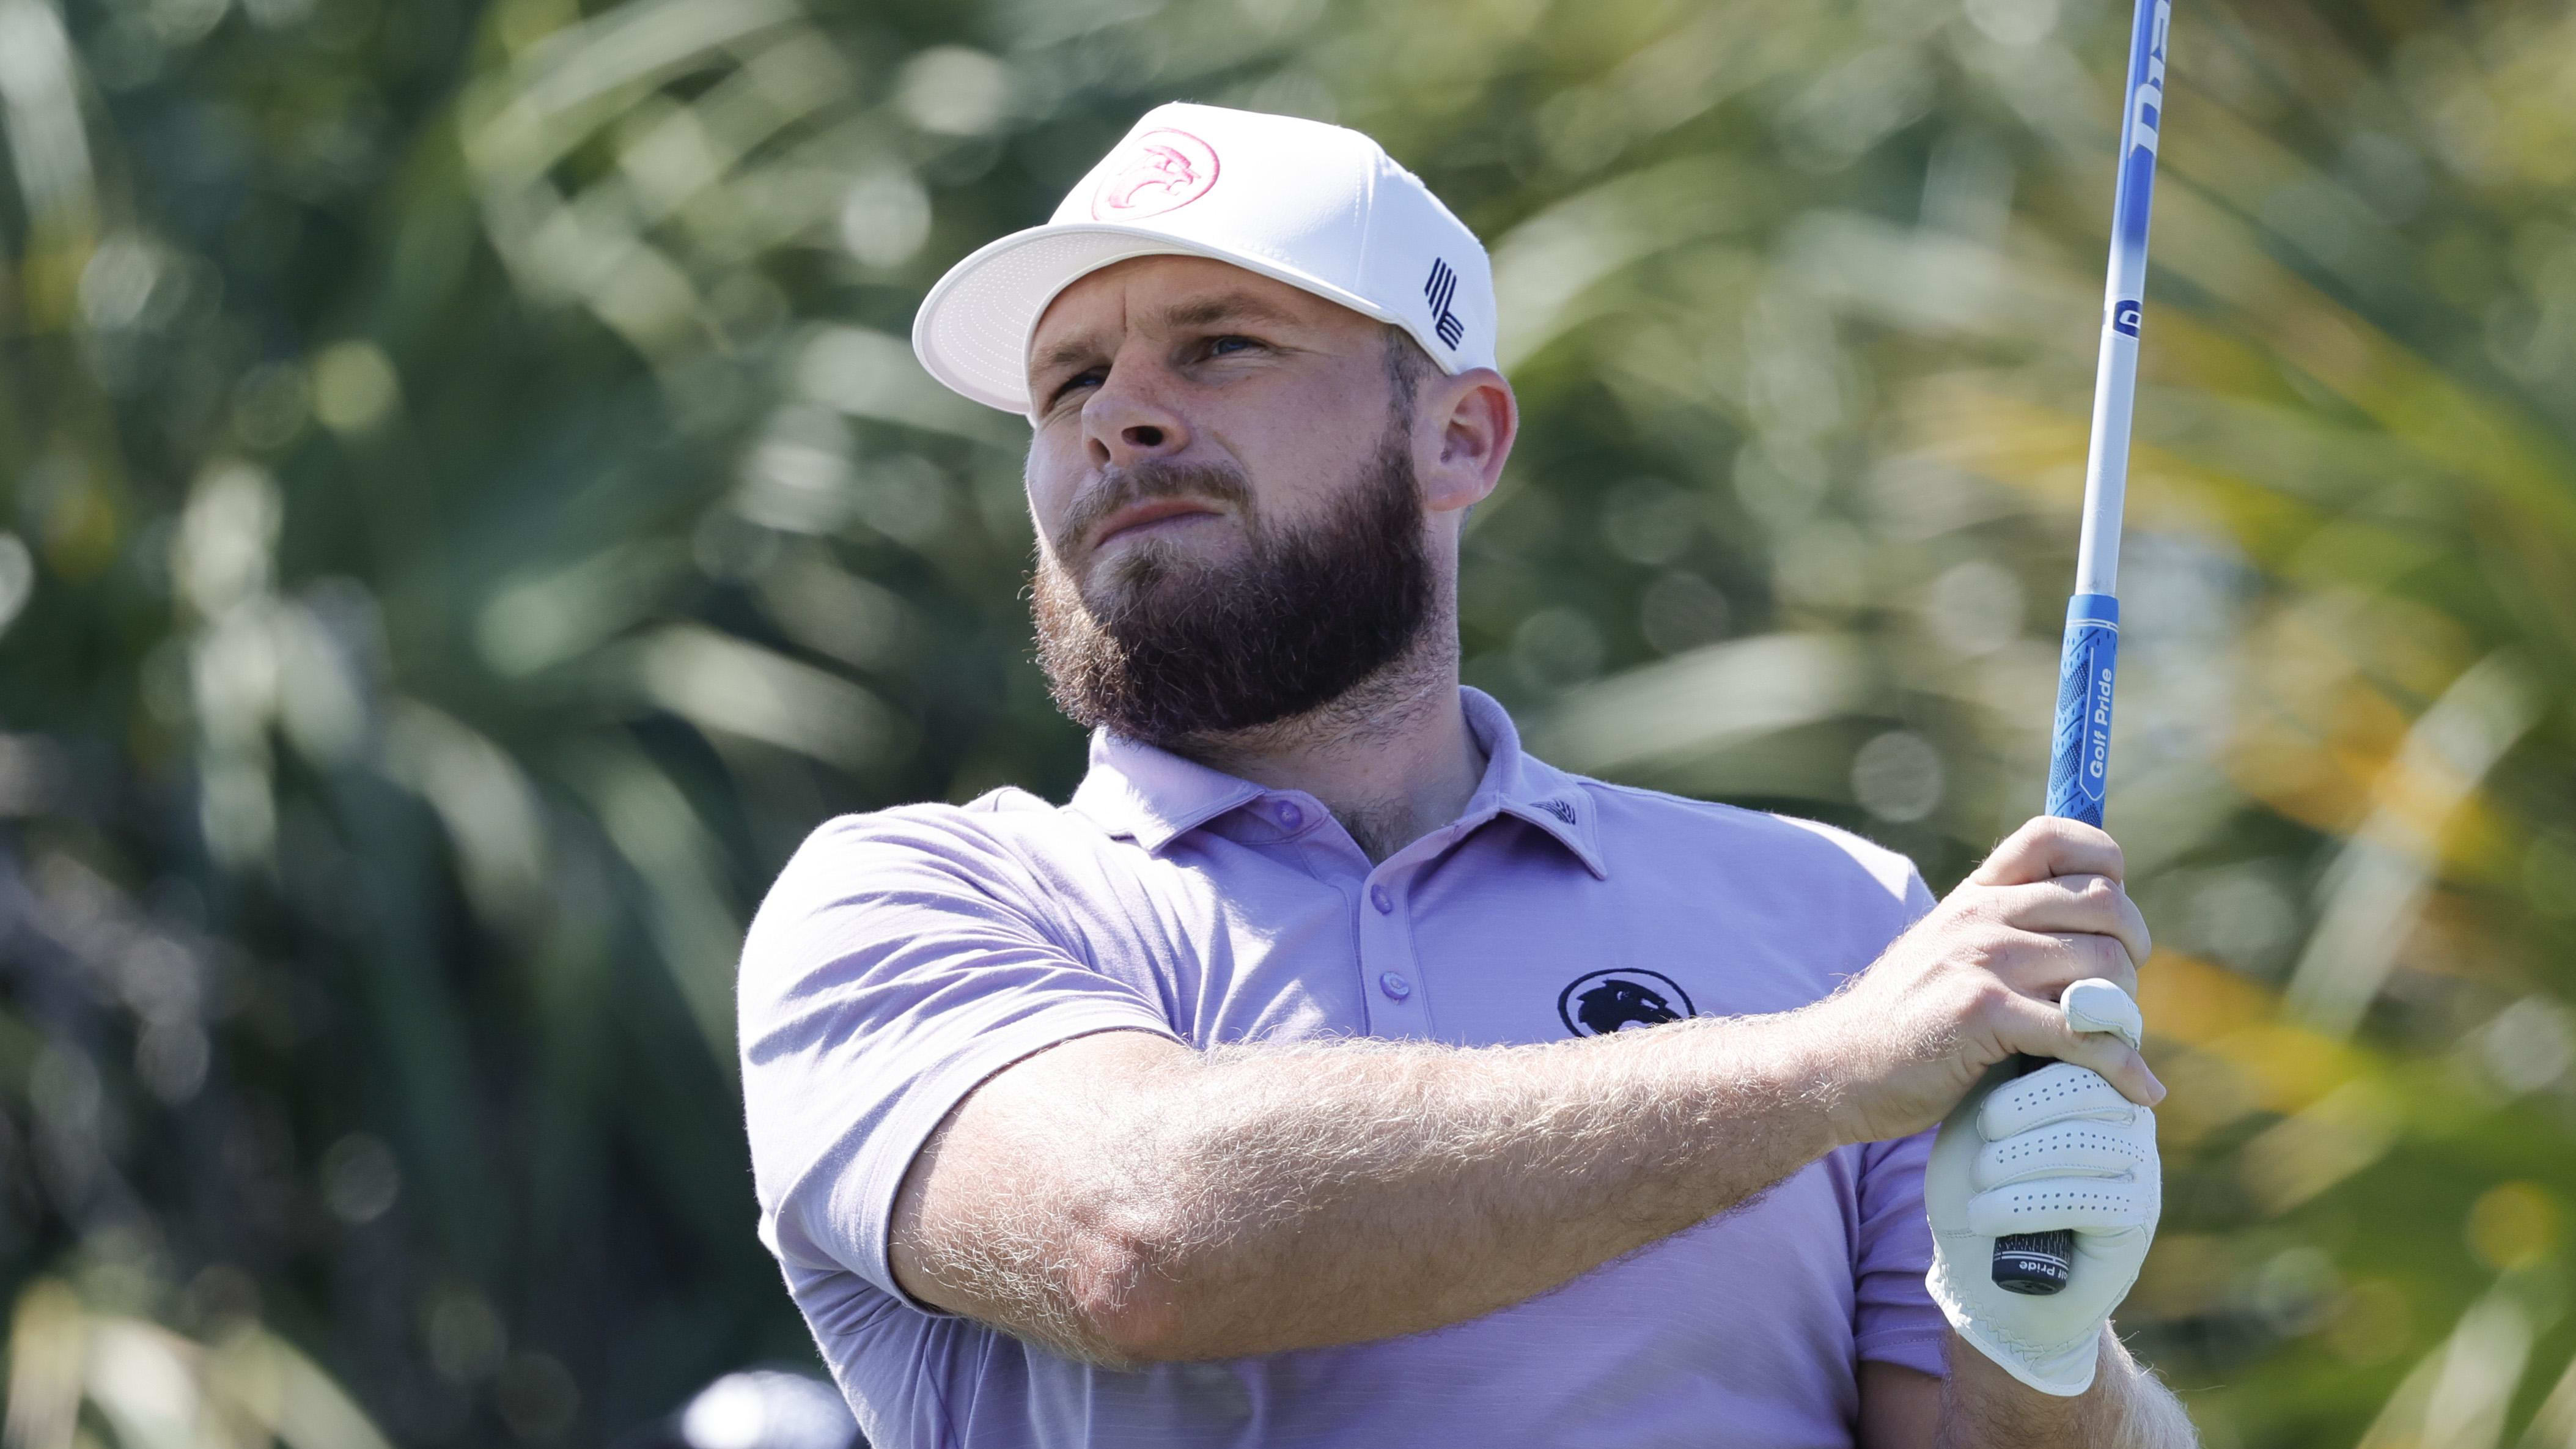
<point x="1178" y="650"/>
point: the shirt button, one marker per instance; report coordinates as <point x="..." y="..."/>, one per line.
<point x="1380" y="899"/>
<point x="1290" y="817"/>
<point x="1396" y="987"/>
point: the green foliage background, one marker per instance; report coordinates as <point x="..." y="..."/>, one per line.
<point x="470" y="508"/>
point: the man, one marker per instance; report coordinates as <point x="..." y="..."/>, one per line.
<point x="1330" y="1071"/>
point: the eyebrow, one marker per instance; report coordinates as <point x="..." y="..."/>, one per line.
<point x="1065" y="354"/>
<point x="1224" y="307"/>
<point x="1199" y="312"/>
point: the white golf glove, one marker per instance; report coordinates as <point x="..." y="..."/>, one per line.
<point x="2059" y="1148"/>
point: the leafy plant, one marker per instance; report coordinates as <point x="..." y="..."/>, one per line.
<point x="474" y="510"/>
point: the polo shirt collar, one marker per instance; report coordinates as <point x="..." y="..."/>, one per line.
<point x="1526" y="787"/>
<point x="1154" y="796"/>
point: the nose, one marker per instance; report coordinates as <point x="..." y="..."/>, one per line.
<point x="1126" y="422"/>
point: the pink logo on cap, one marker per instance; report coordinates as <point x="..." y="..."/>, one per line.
<point x="1162" y="170"/>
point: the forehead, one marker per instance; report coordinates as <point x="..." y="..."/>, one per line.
<point x="1169" y="293"/>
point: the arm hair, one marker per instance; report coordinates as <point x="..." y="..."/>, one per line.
<point x="1122" y="1198"/>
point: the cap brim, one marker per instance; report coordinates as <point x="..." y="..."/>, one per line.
<point x="972" y="332"/>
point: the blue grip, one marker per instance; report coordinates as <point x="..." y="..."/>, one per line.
<point x="2079" y="767"/>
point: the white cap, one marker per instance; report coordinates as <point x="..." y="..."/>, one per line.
<point x="1316" y="206"/>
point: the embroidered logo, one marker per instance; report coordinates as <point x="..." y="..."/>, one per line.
<point x="1161" y="170"/>
<point x="1602" y="1002"/>
<point x="1437" y="291"/>
<point x="1558" y="808"/>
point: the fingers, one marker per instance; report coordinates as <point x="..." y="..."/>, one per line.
<point x="2083" y="1204"/>
<point x="2059" y="1092"/>
<point x="2091" y="904"/>
<point x="2040" y="1029"/>
<point x="2048" y="846"/>
<point x="2043" y="966"/>
<point x="2098" y="1005"/>
<point x="2066" y="1149"/>
<point x="2090" y="957"/>
<point x="2091" y="1176"/>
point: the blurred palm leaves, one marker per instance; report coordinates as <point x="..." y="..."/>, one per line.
<point x="475" y="509"/>
<point x="2345" y="731"/>
<point x="151" y="1387"/>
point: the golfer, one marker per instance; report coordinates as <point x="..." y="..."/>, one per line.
<point x="1330" y="1071"/>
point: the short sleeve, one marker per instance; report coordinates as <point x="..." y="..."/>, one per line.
<point x="1897" y="1321"/>
<point x="1918" y="899"/>
<point x="1895" y="1318"/>
<point x="898" y="962"/>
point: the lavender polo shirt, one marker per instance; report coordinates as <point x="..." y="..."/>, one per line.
<point x="907" y="955"/>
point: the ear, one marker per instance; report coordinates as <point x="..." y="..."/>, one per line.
<point x="1465" y="433"/>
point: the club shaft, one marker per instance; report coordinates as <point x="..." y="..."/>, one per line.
<point x="2080" y="754"/>
<point x="2080" y="759"/>
<point x="2115" y="378"/>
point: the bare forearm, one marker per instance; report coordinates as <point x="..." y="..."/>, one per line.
<point x="1263" y="1198"/>
<point x="1984" y="1407"/>
<point x="1382" y="1191"/>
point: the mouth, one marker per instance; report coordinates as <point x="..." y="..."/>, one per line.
<point x="1152" y="516"/>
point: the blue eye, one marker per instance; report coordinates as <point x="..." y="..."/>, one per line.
<point x="1219" y="347"/>
<point x="1093" y="378"/>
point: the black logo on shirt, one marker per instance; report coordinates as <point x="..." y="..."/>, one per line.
<point x="1602" y="1002"/>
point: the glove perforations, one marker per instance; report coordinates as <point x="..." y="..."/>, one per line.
<point x="2063" y="1197"/>
<point x="2059" y="1148"/>
<point x="2033" y="1144"/>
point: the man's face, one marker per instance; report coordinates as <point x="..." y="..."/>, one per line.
<point x="1229" y="529"/>
<point x="1183" y="362"/>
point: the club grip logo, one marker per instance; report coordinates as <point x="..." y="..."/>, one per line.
<point x="2079" y="767"/>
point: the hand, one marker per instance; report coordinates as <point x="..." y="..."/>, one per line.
<point x="2055" y="1149"/>
<point x="1977" y="980"/>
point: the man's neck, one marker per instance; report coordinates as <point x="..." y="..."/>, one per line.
<point x="1393" y="759"/>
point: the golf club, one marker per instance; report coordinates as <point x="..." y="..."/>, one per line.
<point x="2079" y="762"/>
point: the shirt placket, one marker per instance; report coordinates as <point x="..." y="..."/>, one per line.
<point x="1390" y="972"/>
